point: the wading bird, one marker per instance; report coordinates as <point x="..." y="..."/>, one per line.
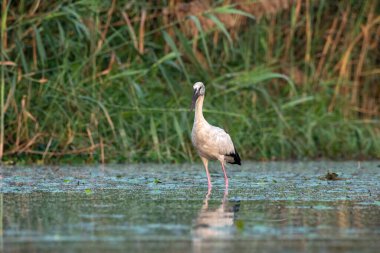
<point x="212" y="143"/>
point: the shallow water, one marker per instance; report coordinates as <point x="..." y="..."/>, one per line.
<point x="278" y="207"/>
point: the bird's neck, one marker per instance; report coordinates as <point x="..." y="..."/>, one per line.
<point x="199" y="110"/>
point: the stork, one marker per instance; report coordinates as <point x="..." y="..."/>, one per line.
<point x="212" y="143"/>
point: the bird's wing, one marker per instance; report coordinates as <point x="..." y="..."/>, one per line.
<point x="223" y="141"/>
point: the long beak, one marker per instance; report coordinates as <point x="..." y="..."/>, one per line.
<point x="195" y="97"/>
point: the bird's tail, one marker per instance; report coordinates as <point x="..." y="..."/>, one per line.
<point x="234" y="158"/>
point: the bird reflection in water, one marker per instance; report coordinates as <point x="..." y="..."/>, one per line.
<point x="214" y="223"/>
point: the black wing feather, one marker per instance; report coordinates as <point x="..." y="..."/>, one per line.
<point x="236" y="157"/>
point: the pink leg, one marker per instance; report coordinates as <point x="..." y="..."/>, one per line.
<point x="225" y="197"/>
<point x="225" y="175"/>
<point x="205" y="163"/>
<point x="207" y="197"/>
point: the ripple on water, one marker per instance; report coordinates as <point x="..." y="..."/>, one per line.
<point x="153" y="208"/>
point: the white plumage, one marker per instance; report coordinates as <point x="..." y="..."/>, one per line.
<point x="212" y="143"/>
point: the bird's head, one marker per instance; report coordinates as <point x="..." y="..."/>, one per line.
<point x="199" y="90"/>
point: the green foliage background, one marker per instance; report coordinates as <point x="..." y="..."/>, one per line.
<point x="111" y="81"/>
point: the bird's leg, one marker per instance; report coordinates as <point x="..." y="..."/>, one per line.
<point x="205" y="163"/>
<point x="207" y="198"/>
<point x="225" y="174"/>
<point x="225" y="197"/>
<point x="209" y="190"/>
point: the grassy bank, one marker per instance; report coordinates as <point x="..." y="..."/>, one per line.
<point x="111" y="81"/>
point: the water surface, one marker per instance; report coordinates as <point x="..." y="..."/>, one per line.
<point x="276" y="207"/>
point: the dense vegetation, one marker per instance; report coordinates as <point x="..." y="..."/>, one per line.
<point x="111" y="81"/>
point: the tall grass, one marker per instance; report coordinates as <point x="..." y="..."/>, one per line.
<point x="110" y="81"/>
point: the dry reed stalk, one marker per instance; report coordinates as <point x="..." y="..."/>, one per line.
<point x="108" y="22"/>
<point x="369" y="108"/>
<point x="363" y="53"/>
<point x="290" y="35"/>
<point x="131" y="30"/>
<point x="308" y="31"/>
<point x="3" y="45"/>
<point x="345" y="63"/>
<point x="166" y="23"/>
<point x="326" y="47"/>
<point x="11" y="92"/>
<point x="34" y="7"/>
<point x="376" y="41"/>
<point x="109" y="67"/>
<point x="25" y="115"/>
<point x="142" y="31"/>
<point x="70" y="136"/>
<point x="343" y="73"/>
<point x="359" y="66"/>
<point x="7" y="63"/>
<point x="338" y="36"/>
<point x="271" y="39"/>
<point x="26" y="146"/>
<point x="89" y="134"/>
<point x="47" y="148"/>
<point x="262" y="8"/>
<point x="18" y="128"/>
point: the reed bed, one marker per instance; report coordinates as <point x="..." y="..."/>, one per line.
<point x="111" y="81"/>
